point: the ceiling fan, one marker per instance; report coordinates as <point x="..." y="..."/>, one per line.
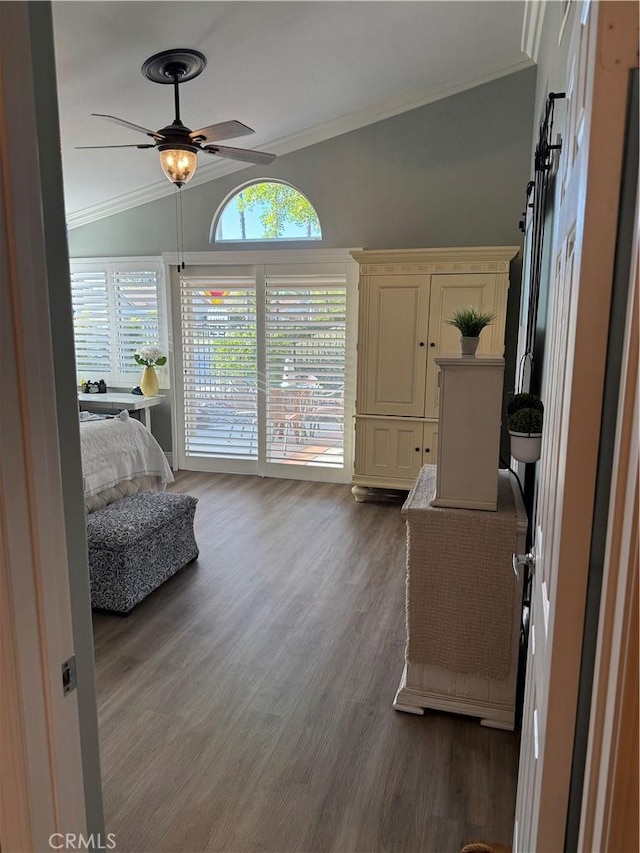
<point x="177" y="145"/>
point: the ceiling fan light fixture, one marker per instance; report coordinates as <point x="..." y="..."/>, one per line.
<point x="178" y="164"/>
<point x="178" y="145"/>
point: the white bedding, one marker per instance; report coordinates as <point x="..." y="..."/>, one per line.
<point x="119" y="449"/>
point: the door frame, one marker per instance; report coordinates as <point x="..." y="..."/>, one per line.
<point x="258" y="260"/>
<point x="46" y="788"/>
<point x="609" y="817"/>
<point x="596" y="200"/>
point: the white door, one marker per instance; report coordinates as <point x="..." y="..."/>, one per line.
<point x="264" y="363"/>
<point x="392" y="345"/>
<point x="392" y="448"/>
<point x="448" y="294"/>
<point x="583" y="251"/>
<point x="218" y="360"/>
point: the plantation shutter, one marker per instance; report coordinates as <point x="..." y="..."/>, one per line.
<point x="91" y="321"/>
<point x="305" y="340"/>
<point x="136" y="308"/>
<point x="118" y="306"/>
<point x="219" y="361"/>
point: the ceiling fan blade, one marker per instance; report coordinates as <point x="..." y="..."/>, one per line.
<point x="222" y="130"/>
<point x="259" y="157"/>
<point x="130" y="125"/>
<point x="144" y="145"/>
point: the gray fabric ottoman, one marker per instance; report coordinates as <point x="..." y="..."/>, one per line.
<point x="137" y="543"/>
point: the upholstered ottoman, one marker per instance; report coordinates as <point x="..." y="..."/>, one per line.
<point x="137" y="543"/>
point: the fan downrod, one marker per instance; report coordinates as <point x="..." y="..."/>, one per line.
<point x="180" y="64"/>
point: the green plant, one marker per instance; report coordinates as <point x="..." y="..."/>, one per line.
<point x="524" y="401"/>
<point x="470" y="322"/>
<point x="527" y="421"/>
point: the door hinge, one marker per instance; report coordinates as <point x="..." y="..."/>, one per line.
<point x="69" y="675"/>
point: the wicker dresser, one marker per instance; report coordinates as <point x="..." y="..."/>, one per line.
<point x="463" y="604"/>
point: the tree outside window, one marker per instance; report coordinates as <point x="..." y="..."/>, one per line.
<point x="268" y="210"/>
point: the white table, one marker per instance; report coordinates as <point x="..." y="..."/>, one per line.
<point x="113" y="402"/>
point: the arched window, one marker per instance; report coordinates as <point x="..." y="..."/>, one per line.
<point x="264" y="211"/>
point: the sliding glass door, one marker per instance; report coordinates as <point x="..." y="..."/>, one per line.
<point x="219" y="366"/>
<point x="305" y="349"/>
<point x="267" y="356"/>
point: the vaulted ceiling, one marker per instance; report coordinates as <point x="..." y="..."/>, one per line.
<point x="296" y="72"/>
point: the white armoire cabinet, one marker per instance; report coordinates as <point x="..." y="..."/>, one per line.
<point x="406" y="297"/>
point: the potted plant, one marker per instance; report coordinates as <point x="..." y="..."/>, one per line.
<point x="470" y="322"/>
<point x="149" y="358"/>
<point x="525" y="413"/>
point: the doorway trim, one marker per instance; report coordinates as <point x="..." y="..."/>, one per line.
<point x="47" y="788"/>
<point x="258" y="261"/>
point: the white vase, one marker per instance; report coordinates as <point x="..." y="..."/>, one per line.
<point x="526" y="447"/>
<point x="468" y="346"/>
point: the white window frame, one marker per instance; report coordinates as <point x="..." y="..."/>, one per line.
<point x="259" y="259"/>
<point x="256" y="241"/>
<point x="109" y="265"/>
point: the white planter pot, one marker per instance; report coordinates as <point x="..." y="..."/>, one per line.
<point x="526" y="447"/>
<point x="468" y="346"/>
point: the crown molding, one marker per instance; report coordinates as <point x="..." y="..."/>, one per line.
<point x="295" y="142"/>
<point x="532" y="27"/>
<point x="468" y="259"/>
<point x="450" y="257"/>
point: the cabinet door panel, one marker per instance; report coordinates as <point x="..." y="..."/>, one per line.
<point x="391" y="448"/>
<point x="430" y="444"/>
<point x="448" y="293"/>
<point x="392" y="362"/>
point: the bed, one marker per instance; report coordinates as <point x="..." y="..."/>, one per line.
<point x="120" y="457"/>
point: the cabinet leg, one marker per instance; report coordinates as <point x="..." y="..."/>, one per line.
<point x="360" y="493"/>
<point x="373" y="493"/>
<point x="398" y="705"/>
<point x="405" y="700"/>
<point x="506" y="725"/>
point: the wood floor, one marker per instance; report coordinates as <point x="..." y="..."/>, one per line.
<point x="246" y="705"/>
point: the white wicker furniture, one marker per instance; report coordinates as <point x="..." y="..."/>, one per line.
<point x="463" y="605"/>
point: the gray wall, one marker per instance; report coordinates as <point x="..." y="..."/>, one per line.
<point x="451" y="173"/>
